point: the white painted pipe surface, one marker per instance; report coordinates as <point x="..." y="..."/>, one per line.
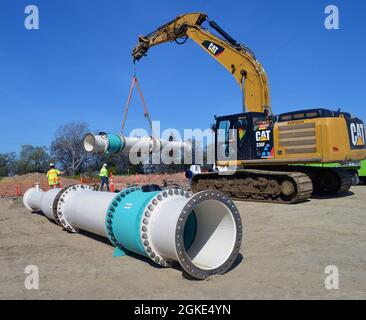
<point x="36" y="199"/>
<point x="215" y="238"/>
<point x="96" y="143"/>
<point x="87" y="210"/>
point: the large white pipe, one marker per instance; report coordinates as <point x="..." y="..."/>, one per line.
<point x="93" y="217"/>
<point x="32" y="198"/>
<point x="202" y="232"/>
<point x="96" y="143"/>
<point x="36" y="199"/>
<point x="113" y="143"/>
<point x="216" y="232"/>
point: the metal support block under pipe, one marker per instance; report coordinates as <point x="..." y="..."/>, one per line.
<point x="114" y="143"/>
<point x="203" y="232"/>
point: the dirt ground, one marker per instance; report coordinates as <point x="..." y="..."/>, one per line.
<point x="18" y="184"/>
<point x="284" y="254"/>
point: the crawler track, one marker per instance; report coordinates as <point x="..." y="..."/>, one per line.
<point x="257" y="185"/>
<point x="345" y="181"/>
<point x="328" y="181"/>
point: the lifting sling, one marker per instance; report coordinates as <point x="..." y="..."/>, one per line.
<point x="146" y="112"/>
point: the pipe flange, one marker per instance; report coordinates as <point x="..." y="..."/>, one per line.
<point x="111" y="212"/>
<point x="55" y="204"/>
<point x="145" y="230"/>
<point x="185" y="261"/>
<point x="65" y="192"/>
<point x="104" y="136"/>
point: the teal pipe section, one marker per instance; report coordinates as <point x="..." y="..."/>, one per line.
<point x="190" y="230"/>
<point x="115" y="143"/>
<point x="124" y="217"/>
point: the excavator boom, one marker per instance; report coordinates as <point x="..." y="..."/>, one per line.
<point x="166" y="33"/>
<point x="235" y="57"/>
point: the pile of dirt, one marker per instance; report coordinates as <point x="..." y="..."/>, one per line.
<point x="34" y="177"/>
<point x="18" y="184"/>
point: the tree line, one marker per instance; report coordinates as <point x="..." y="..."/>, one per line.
<point x="67" y="152"/>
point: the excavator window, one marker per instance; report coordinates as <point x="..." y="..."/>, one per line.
<point x="259" y="121"/>
<point x="311" y="114"/>
<point x="299" y="116"/>
<point x="241" y="130"/>
<point x="226" y="136"/>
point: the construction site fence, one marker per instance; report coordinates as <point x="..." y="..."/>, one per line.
<point x="119" y="182"/>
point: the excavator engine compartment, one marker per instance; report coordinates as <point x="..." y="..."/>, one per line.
<point x="329" y="136"/>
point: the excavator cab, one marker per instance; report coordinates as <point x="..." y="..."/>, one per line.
<point x="244" y="136"/>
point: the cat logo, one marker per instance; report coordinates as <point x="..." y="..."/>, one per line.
<point x="214" y="48"/>
<point x="357" y="134"/>
<point x="263" y="135"/>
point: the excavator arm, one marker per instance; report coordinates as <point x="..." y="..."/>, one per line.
<point x="235" y="57"/>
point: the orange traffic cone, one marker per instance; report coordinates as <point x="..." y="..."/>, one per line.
<point x="17" y="189"/>
<point x="111" y="183"/>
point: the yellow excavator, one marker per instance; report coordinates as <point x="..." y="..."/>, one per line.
<point x="272" y="155"/>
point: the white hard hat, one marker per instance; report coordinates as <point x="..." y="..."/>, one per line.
<point x="105" y="165"/>
<point x="52" y="164"/>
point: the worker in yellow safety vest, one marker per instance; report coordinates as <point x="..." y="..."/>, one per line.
<point x="104" y="177"/>
<point x="53" y="176"/>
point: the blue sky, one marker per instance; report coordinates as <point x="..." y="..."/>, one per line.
<point x="78" y="65"/>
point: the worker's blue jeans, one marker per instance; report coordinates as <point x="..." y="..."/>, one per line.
<point x="104" y="181"/>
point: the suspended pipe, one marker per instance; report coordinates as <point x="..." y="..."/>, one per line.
<point x="114" y="143"/>
<point x="203" y="232"/>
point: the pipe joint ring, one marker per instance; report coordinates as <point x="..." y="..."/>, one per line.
<point x="62" y="199"/>
<point x="184" y="258"/>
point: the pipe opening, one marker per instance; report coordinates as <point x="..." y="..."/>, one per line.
<point x="215" y="236"/>
<point x="190" y="229"/>
<point x="89" y="143"/>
